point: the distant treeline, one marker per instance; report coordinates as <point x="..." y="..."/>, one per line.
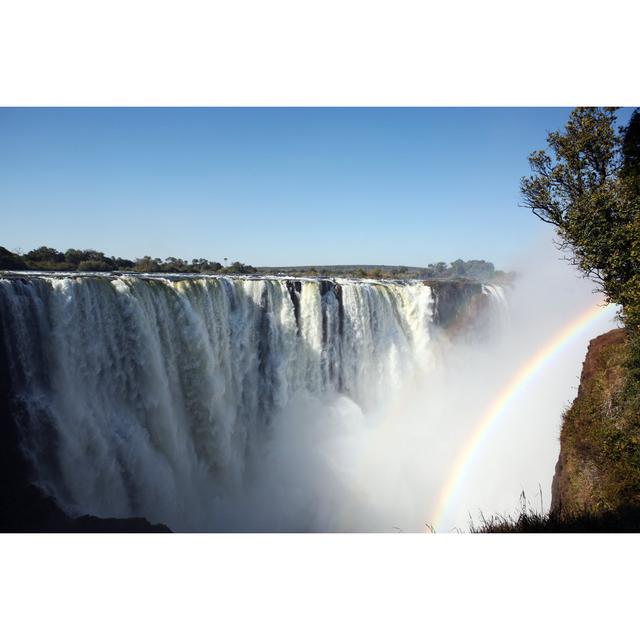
<point x="48" y="259"/>
<point x="475" y="270"/>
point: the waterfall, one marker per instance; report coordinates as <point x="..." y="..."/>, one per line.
<point x="144" y="395"/>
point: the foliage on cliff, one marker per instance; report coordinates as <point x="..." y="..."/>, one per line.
<point x="596" y="487"/>
<point x="589" y="188"/>
<point x="599" y="466"/>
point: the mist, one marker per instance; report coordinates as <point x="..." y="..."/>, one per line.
<point x="330" y="465"/>
<point x="267" y="404"/>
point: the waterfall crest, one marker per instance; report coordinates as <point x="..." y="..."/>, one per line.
<point x="152" y="395"/>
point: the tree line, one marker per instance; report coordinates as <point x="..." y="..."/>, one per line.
<point x="474" y="270"/>
<point x="88" y="260"/>
<point x="48" y="259"/>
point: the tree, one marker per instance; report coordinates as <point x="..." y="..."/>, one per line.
<point x="631" y="151"/>
<point x="241" y="268"/>
<point x="74" y="256"/>
<point x="45" y="254"/>
<point x="458" y="268"/>
<point x="11" y="261"/>
<point x="94" y="265"/>
<point x="589" y="191"/>
<point x="147" y="264"/>
<point x="123" y="263"/>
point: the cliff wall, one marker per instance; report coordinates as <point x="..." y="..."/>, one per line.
<point x="598" y="470"/>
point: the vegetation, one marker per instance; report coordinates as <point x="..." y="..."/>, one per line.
<point x="472" y="270"/>
<point x="596" y="487"/>
<point x="11" y="261"/>
<point x="626" y="519"/>
<point x="589" y="188"/>
<point x="600" y="439"/>
<point x="48" y="259"/>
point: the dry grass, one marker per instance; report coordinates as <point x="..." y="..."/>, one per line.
<point x="531" y="520"/>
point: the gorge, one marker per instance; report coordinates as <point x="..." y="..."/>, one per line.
<point x="180" y="399"/>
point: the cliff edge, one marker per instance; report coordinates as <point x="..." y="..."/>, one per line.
<point x="598" y="470"/>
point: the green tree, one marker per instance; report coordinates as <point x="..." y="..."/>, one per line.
<point x="123" y="263"/>
<point x="631" y="150"/>
<point x="240" y="268"/>
<point x="74" y="256"/>
<point x="147" y="264"/>
<point x="458" y="268"/>
<point x="11" y="261"/>
<point x="45" y="254"/>
<point x="588" y="189"/>
<point x="94" y="265"/>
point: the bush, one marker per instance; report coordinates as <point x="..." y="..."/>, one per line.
<point x="94" y="265"/>
<point x="11" y="261"/>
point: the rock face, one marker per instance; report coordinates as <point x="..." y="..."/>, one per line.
<point x="33" y="512"/>
<point x="462" y="308"/>
<point x="597" y="468"/>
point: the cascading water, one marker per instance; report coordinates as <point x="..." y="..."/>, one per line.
<point x="159" y="396"/>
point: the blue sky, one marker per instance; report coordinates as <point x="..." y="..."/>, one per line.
<point x="273" y="186"/>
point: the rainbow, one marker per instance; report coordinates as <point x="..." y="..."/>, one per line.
<point x="457" y="476"/>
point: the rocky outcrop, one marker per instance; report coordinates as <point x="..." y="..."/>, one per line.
<point x="461" y="309"/>
<point x="598" y="469"/>
<point x="28" y="510"/>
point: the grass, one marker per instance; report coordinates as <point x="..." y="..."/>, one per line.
<point x="622" y="520"/>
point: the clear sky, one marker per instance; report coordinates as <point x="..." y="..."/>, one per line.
<point x="272" y="186"/>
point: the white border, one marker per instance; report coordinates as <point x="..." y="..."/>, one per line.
<point x="285" y="52"/>
<point x="317" y="586"/>
<point x="334" y="52"/>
